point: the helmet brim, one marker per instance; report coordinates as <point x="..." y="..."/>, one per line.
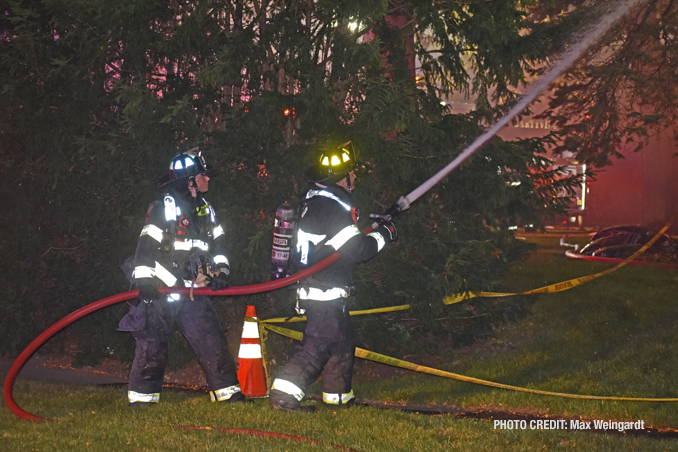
<point x="318" y="174"/>
<point x="181" y="181"/>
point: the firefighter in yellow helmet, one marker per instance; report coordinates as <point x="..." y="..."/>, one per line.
<point x="327" y="224"/>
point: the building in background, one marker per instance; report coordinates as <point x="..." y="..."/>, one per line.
<point x="640" y="189"/>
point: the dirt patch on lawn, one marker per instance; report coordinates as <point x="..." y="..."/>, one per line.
<point x="107" y="367"/>
<point x="189" y="376"/>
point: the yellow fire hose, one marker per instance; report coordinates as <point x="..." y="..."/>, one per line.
<point x="553" y="288"/>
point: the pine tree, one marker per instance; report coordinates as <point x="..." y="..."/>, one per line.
<point x="97" y="96"/>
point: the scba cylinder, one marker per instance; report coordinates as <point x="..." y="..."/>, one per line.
<point x="283" y="234"/>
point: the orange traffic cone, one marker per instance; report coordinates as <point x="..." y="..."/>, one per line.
<point x="251" y="371"/>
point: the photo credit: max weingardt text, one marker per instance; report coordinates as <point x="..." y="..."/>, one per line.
<point x="563" y="424"/>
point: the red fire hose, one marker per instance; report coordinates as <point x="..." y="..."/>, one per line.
<point x="104" y="302"/>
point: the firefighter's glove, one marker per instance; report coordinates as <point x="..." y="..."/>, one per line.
<point x="220" y="280"/>
<point x="388" y="230"/>
<point x="148" y="294"/>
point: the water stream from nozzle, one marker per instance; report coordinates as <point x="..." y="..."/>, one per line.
<point x="594" y="33"/>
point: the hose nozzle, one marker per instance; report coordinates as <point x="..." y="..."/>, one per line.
<point x="396" y="209"/>
<point x="401" y="205"/>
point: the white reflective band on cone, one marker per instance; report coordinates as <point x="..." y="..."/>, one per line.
<point x="152" y="231"/>
<point x="250" y="351"/>
<point x="379" y="238"/>
<point x="313" y="293"/>
<point x="224" y="394"/>
<point x="250" y="330"/>
<point x="288" y="388"/>
<point x="343" y="236"/>
<point x="141" y="397"/>
<point x="336" y="399"/>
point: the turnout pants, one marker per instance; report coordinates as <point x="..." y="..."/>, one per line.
<point x="151" y="325"/>
<point x="327" y="349"/>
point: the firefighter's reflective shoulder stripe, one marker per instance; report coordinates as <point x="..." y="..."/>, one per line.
<point x="288" y="388"/>
<point x="152" y="231"/>
<point x="218" y="231"/>
<point x="171" y="208"/>
<point x="337" y="399"/>
<point x="312" y="193"/>
<point x="343" y="236"/>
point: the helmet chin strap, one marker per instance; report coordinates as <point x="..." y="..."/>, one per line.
<point x="349" y="187"/>
<point x="192" y="185"/>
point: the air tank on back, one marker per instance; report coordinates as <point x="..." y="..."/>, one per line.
<point x="283" y="236"/>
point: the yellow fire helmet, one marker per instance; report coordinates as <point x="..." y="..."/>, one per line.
<point x="334" y="165"/>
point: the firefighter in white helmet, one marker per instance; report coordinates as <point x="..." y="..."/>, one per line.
<point x="181" y="245"/>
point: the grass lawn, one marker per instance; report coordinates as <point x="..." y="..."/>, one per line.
<point x="613" y="336"/>
<point x="97" y="419"/>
